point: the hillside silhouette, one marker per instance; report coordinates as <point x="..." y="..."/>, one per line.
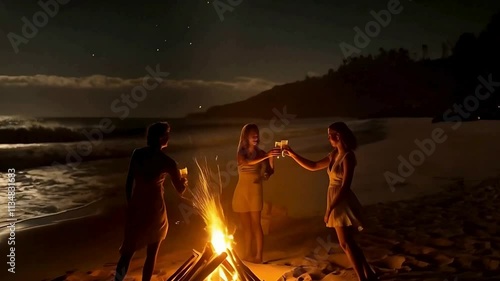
<point x="388" y="84"/>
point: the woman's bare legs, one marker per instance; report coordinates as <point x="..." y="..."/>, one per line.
<point x="246" y="225"/>
<point x="149" y="264"/>
<point x="370" y="274"/>
<point x="367" y="269"/>
<point x="353" y="252"/>
<point x="258" y="235"/>
<point x="122" y="266"/>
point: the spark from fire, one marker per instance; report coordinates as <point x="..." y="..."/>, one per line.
<point x="206" y="199"/>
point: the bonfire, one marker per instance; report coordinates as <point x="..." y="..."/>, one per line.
<point x="218" y="261"/>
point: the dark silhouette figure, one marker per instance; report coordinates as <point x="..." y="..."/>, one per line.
<point x="254" y="166"/>
<point x="146" y="217"/>
<point x="343" y="209"/>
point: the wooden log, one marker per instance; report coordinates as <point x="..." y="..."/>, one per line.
<point x="250" y="274"/>
<point x="247" y="270"/>
<point x="209" y="267"/>
<point x="242" y="276"/>
<point x="229" y="267"/>
<point x="202" y="260"/>
<point x="181" y="270"/>
<point x="228" y="270"/>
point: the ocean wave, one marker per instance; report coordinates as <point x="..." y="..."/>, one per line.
<point x="21" y="130"/>
<point x="30" y="155"/>
<point x="25" y="156"/>
<point x="49" y="134"/>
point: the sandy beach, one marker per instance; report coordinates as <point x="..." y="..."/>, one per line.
<point x="452" y="234"/>
<point x="439" y="224"/>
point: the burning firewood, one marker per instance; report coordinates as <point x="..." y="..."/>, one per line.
<point x="209" y="267"/>
<point x="201" y="266"/>
<point x="218" y="261"/>
<point x="184" y="267"/>
<point x="247" y="272"/>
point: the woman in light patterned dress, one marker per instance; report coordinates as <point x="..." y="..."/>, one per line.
<point x="343" y="209"/>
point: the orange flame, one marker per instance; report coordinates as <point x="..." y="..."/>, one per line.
<point x="206" y="199"/>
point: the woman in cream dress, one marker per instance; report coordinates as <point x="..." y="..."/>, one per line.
<point x="343" y="209"/>
<point x="254" y="166"/>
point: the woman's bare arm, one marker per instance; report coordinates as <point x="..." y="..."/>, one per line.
<point x="244" y="160"/>
<point x="308" y="164"/>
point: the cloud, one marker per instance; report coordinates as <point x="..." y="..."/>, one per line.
<point x="90" y="82"/>
<point x="102" y="82"/>
<point x="51" y="95"/>
<point x="312" y="74"/>
<point x="240" y="83"/>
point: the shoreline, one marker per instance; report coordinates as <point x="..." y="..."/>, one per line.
<point x="48" y="219"/>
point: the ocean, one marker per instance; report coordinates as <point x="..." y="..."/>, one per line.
<point x="66" y="163"/>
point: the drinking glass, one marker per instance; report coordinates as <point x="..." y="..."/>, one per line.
<point x="282" y="144"/>
<point x="183" y="172"/>
<point x="278" y="144"/>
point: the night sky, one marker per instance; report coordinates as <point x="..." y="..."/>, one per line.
<point x="91" y="52"/>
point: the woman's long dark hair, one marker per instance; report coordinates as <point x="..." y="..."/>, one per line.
<point x="155" y="132"/>
<point x="347" y="137"/>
